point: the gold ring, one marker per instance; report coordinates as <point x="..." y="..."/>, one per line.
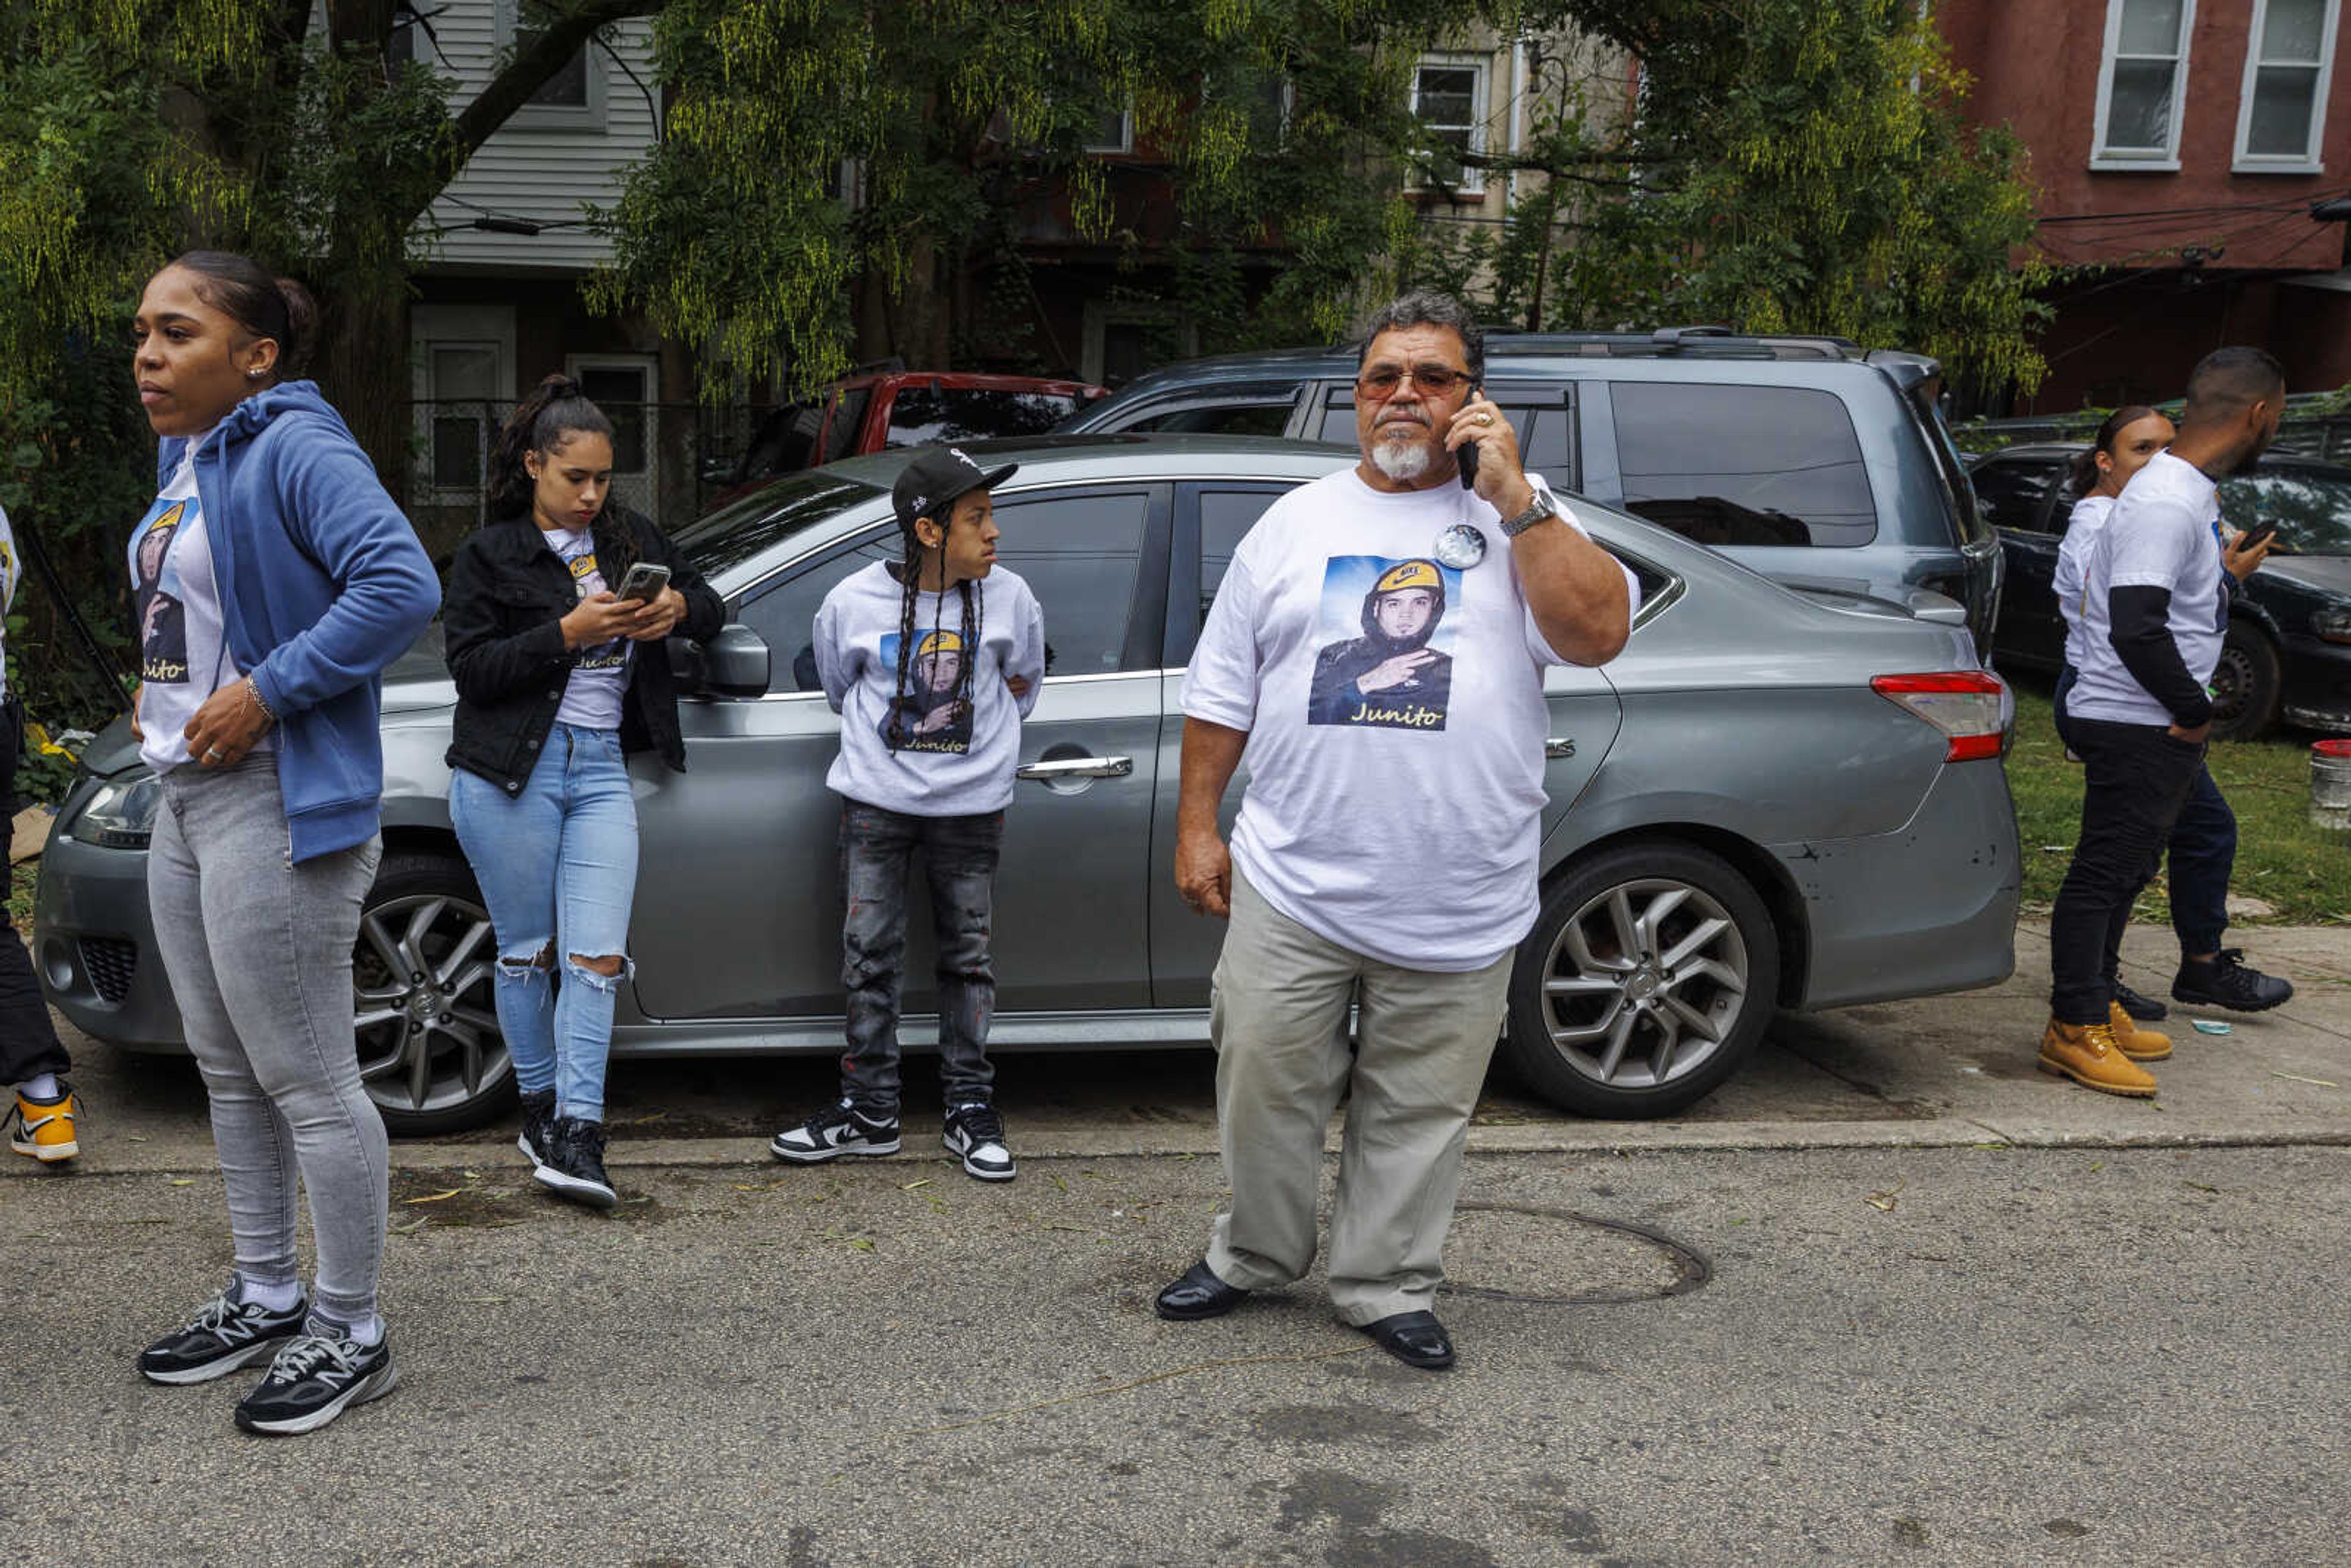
<point x="1485" y="419"/>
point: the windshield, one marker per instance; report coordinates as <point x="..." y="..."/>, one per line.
<point x="734" y="534"/>
<point x="2310" y="507"/>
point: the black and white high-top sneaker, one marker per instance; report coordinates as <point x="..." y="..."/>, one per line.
<point x="976" y="1133"/>
<point x="834" y="1131"/>
<point x="537" y="1123"/>
<point x="575" y="1163"/>
<point x="220" y="1336"/>
<point x="317" y="1376"/>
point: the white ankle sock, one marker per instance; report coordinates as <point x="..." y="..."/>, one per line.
<point x="44" y="1088"/>
<point x="368" y="1332"/>
<point x="269" y="1298"/>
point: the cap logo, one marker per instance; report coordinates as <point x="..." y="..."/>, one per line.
<point x="962" y="457"/>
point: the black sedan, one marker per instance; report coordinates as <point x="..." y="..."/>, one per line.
<point x="2288" y="650"/>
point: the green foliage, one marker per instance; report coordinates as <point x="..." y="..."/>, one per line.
<point x="1795" y="166"/>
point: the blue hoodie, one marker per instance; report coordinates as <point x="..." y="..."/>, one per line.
<point x="322" y="583"/>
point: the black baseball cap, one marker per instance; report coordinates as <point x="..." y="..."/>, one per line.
<point x="930" y="484"/>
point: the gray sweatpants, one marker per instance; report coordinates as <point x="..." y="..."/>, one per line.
<point x="1278" y="1016"/>
<point x="258" y="951"/>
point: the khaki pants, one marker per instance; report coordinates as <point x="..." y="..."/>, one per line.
<point x="1278" y="1017"/>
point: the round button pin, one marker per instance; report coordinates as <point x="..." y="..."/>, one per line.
<point x="1460" y="547"/>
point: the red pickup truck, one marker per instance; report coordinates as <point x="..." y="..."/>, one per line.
<point x="903" y="408"/>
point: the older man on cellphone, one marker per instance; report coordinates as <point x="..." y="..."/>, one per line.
<point x="1376" y="654"/>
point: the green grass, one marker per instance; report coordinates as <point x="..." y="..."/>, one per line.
<point x="2302" y="871"/>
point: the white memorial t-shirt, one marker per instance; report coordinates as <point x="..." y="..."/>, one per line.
<point x="1396" y="718"/>
<point x="184" y="655"/>
<point x="599" y="675"/>
<point x="2164" y="532"/>
<point x="9" y="572"/>
<point x="2081" y="528"/>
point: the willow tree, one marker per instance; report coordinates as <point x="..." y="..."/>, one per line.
<point x="1791" y="166"/>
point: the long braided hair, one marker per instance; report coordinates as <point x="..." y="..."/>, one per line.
<point x="906" y="706"/>
<point x="556" y="410"/>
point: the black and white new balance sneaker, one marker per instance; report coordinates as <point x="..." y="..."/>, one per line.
<point x="220" y="1336"/>
<point x="976" y="1133"/>
<point x="538" y="1127"/>
<point x="834" y="1131"/>
<point x="575" y="1163"/>
<point x="317" y="1376"/>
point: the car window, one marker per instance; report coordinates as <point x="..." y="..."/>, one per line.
<point x="2009" y="495"/>
<point x="1226" y="517"/>
<point x="840" y="436"/>
<point x="2312" y="510"/>
<point x="737" y="532"/>
<point x="1081" y="552"/>
<point x="1546" y="431"/>
<point x="1743" y="464"/>
<point x="784" y="615"/>
<point x="785" y="441"/>
<point x="1219" y="419"/>
<point x="919" y="415"/>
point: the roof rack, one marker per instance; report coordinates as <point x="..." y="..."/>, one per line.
<point x="1701" y="341"/>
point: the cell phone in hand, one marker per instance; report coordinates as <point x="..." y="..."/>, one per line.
<point x="643" y="580"/>
<point x="2255" y="535"/>
<point x="1466" y="455"/>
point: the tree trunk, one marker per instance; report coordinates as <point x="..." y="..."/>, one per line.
<point x="361" y="365"/>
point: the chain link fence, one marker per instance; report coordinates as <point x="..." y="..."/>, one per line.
<point x="668" y="461"/>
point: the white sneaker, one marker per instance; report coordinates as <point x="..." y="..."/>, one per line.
<point x="977" y="1133"/>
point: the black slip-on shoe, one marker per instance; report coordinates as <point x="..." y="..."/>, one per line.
<point x="1198" y="1294"/>
<point x="2146" y="1009"/>
<point x="1417" y="1339"/>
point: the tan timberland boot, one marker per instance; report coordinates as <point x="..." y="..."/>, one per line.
<point x="2133" y="1039"/>
<point x="2088" y="1054"/>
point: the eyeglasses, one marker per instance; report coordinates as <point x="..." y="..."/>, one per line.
<point x="1430" y="381"/>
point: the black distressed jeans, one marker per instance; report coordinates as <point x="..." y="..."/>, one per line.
<point x="28" y="1040"/>
<point x="2136" y="779"/>
<point x="959" y="856"/>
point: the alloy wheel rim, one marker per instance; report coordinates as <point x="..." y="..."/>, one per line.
<point x="423" y="1008"/>
<point x="1644" y="983"/>
<point x="2232" y="682"/>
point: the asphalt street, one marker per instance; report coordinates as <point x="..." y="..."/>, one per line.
<point x="1892" y="1297"/>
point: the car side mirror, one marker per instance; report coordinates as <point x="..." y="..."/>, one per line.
<point x="734" y="663"/>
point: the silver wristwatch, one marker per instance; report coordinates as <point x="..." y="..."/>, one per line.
<point x="1542" y="506"/>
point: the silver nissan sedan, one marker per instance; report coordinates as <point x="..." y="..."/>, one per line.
<point x="1772" y="798"/>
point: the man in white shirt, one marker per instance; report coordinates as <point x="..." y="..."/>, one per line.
<point x="1376" y="654"/>
<point x="2153" y="616"/>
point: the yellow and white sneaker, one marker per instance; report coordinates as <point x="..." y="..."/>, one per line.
<point x="44" y="1129"/>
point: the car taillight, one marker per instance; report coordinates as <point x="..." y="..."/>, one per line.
<point x="1964" y="705"/>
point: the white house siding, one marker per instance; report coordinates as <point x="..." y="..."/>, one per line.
<point x="536" y="167"/>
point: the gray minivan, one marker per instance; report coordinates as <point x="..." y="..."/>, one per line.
<point x="1806" y="458"/>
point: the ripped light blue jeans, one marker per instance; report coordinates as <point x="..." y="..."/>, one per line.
<point x="557" y="866"/>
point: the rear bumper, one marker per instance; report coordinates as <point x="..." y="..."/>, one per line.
<point x="2317" y="683"/>
<point x="1929" y="908"/>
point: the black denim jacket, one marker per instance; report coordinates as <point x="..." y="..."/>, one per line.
<point x="507" y="593"/>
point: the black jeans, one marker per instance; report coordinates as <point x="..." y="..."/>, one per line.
<point x="959" y="854"/>
<point x="2202" y="848"/>
<point x="28" y="1040"/>
<point x="2138" y="777"/>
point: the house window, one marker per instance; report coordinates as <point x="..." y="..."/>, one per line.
<point x="573" y="97"/>
<point x="1114" y="132"/>
<point x="2283" y="103"/>
<point x="1449" y="96"/>
<point x="625" y="387"/>
<point x="2142" y="82"/>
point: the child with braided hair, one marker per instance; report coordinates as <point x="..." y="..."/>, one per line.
<point x="933" y="661"/>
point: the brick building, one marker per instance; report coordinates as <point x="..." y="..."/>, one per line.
<point x="2179" y="146"/>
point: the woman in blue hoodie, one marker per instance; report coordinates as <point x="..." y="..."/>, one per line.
<point x="273" y="581"/>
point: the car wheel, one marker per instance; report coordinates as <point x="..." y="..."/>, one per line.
<point x="421" y="977"/>
<point x="2247" y="684"/>
<point x="1651" y="972"/>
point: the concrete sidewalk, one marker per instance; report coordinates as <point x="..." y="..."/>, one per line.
<point x="1940" y="1072"/>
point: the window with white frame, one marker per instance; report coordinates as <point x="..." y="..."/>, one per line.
<point x="573" y="97"/>
<point x="1114" y="132"/>
<point x="2282" y="108"/>
<point x="1449" y="96"/>
<point x="2142" y="84"/>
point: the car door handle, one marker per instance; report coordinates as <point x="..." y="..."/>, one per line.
<point x="1077" y="768"/>
<point x="1558" y="746"/>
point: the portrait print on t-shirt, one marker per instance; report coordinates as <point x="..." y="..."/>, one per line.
<point x="157" y="596"/>
<point x="1391" y="662"/>
<point x="930" y="716"/>
<point x="612" y="653"/>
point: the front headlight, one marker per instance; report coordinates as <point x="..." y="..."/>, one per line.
<point x="120" y="814"/>
<point x="2333" y="625"/>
